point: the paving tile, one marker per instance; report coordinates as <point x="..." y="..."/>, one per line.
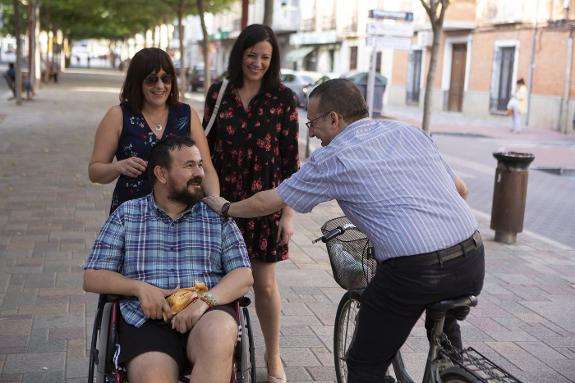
<point x="299" y="357"/>
<point x="323" y="373"/>
<point x="35" y="362"/>
<point x="44" y="377"/>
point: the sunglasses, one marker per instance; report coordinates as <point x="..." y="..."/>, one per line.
<point x="153" y="78"/>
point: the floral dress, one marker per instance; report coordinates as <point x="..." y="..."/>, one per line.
<point x="254" y="150"/>
<point x="137" y="139"/>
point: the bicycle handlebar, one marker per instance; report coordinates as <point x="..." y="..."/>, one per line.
<point x="334" y="233"/>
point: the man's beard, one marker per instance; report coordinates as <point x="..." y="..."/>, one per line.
<point x="185" y="196"/>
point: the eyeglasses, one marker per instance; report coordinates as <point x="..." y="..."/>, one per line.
<point x="153" y="78"/>
<point x="309" y="124"/>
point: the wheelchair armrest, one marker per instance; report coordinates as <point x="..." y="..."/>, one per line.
<point x="110" y="298"/>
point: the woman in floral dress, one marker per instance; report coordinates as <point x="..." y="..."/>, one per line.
<point x="148" y="110"/>
<point x="254" y="142"/>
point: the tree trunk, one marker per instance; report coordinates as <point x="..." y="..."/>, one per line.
<point x="18" y="64"/>
<point x="436" y="21"/>
<point x="112" y="54"/>
<point x="269" y="13"/>
<point x="205" y="46"/>
<point x="244" y="19"/>
<point x="429" y="83"/>
<point x="183" y="66"/>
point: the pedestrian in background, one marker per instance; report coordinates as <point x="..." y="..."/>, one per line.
<point x="518" y="106"/>
<point x="149" y="110"/>
<point x="254" y="142"/>
<point x="10" y="77"/>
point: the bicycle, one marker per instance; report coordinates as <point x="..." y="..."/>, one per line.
<point x="353" y="263"/>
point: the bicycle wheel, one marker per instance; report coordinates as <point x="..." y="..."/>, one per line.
<point x="344" y="331"/>
<point x="457" y="374"/>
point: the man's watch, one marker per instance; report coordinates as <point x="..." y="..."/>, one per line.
<point x="225" y="209"/>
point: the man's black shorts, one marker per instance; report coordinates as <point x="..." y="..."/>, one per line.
<point x="156" y="335"/>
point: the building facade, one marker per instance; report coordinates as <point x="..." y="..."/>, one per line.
<point x="486" y="46"/>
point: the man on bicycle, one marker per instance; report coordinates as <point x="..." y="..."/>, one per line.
<point x="392" y="183"/>
<point x="150" y="246"/>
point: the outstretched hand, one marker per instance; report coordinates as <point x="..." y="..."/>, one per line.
<point x="216" y="203"/>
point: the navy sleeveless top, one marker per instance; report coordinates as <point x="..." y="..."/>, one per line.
<point x="137" y="139"/>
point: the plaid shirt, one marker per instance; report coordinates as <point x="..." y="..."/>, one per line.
<point x="142" y="242"/>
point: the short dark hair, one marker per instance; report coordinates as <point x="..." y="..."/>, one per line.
<point x="160" y="155"/>
<point x="249" y="37"/>
<point x="146" y="61"/>
<point x="521" y="81"/>
<point x="341" y="96"/>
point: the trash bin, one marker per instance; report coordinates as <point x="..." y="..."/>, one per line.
<point x="360" y="79"/>
<point x="509" y="195"/>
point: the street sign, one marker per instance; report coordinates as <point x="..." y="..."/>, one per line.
<point x="389" y="42"/>
<point x="396" y="30"/>
<point x="379" y="35"/>
<point x="390" y="15"/>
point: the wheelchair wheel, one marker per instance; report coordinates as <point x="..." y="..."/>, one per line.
<point x="247" y="365"/>
<point x="94" y="357"/>
<point x="103" y="345"/>
<point x="344" y="331"/>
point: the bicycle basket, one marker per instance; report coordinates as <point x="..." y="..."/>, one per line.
<point x="351" y="256"/>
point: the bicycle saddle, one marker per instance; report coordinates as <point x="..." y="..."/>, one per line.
<point x="459" y="307"/>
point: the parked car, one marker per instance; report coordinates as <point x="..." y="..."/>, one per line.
<point x="299" y="83"/>
<point x="323" y="78"/>
<point x="197" y="76"/>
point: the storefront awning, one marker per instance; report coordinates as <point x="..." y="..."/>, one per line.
<point x="298" y="53"/>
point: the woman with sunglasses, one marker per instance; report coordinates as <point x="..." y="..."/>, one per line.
<point x="254" y="141"/>
<point x="149" y="110"/>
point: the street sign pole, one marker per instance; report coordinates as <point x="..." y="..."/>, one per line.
<point x="371" y="82"/>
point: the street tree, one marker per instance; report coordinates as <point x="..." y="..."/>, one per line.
<point x="182" y="8"/>
<point x="435" y="10"/>
<point x="269" y="12"/>
<point x="18" y="32"/>
<point x="104" y="19"/>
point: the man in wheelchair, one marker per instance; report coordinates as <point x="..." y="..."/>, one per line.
<point x="151" y="246"/>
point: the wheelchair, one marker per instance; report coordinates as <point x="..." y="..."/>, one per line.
<point x="104" y="346"/>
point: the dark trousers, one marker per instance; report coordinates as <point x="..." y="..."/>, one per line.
<point x="394" y="301"/>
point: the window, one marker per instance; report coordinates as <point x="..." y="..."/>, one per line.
<point x="502" y="78"/>
<point x="378" y="62"/>
<point x="352" y="58"/>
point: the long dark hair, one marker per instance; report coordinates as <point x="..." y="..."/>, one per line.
<point x="143" y="63"/>
<point x="249" y="37"/>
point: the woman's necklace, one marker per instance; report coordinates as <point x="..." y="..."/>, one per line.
<point x="157" y="125"/>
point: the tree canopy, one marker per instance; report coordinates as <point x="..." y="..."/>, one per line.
<point x="107" y="19"/>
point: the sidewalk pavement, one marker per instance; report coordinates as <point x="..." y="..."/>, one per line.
<point x="553" y="150"/>
<point x="50" y="214"/>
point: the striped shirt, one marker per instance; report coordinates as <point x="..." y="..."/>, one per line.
<point x="391" y="182"/>
<point x="142" y="242"/>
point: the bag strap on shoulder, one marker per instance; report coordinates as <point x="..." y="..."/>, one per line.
<point x="216" y="107"/>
